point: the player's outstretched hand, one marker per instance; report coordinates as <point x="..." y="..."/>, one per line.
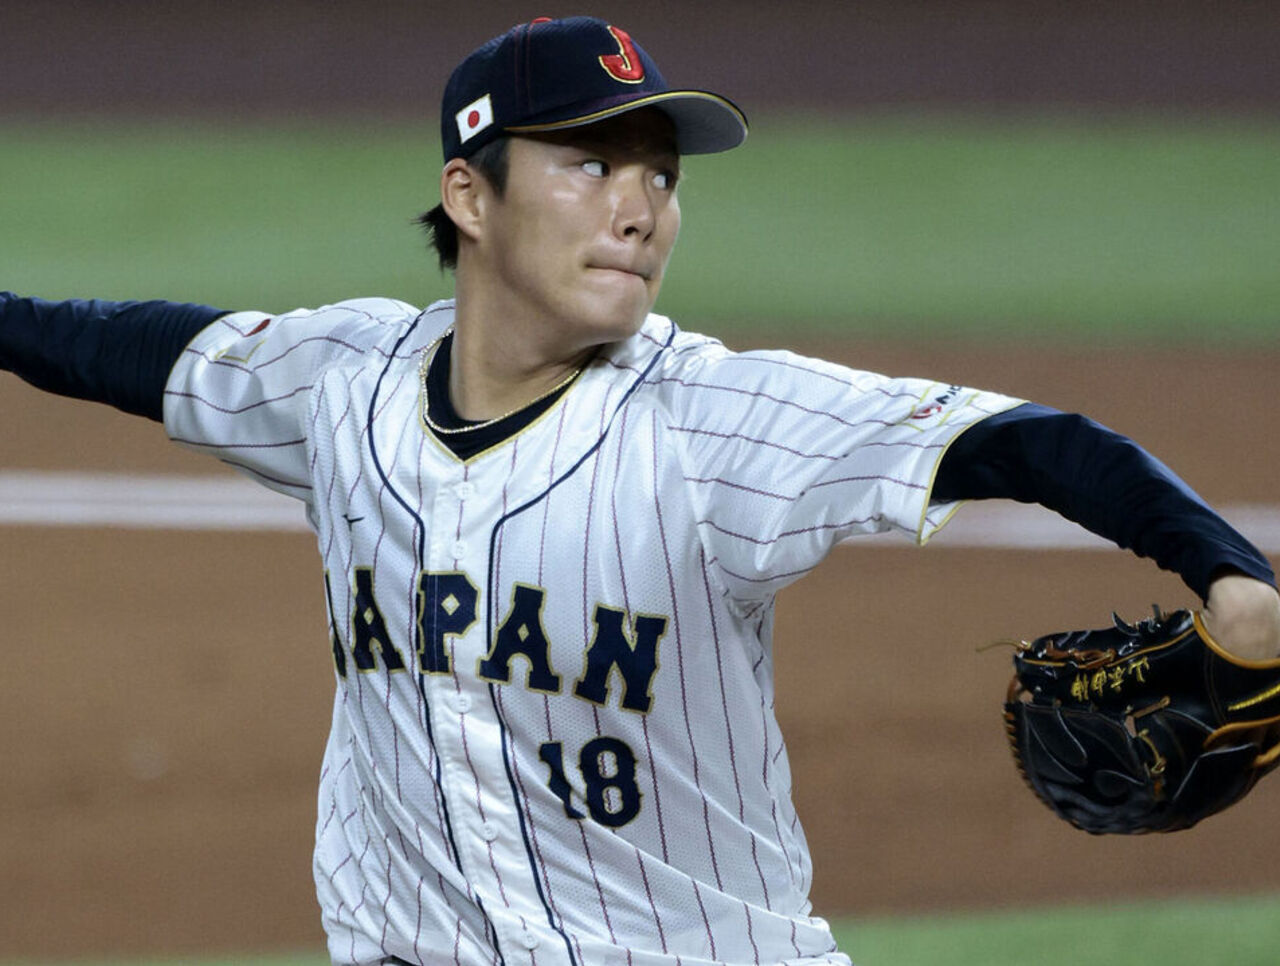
<point x="1243" y="615"/>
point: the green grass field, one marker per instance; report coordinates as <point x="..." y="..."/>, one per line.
<point x="1119" y="228"/>
<point x="1238" y="932"/>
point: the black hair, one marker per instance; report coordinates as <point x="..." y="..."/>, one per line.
<point x="492" y="161"/>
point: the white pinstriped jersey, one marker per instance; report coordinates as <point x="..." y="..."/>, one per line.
<point x="553" y="733"/>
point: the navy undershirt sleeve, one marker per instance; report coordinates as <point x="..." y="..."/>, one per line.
<point x="1102" y="481"/>
<point x="118" y="353"/>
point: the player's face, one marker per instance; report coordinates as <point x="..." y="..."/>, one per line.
<point x="580" y="239"/>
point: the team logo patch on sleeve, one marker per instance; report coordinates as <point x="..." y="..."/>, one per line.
<point x="937" y="406"/>
<point x="474" y="118"/>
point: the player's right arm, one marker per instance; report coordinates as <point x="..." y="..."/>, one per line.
<point x="119" y="353"/>
<point x="235" y="385"/>
<point x="242" y="389"/>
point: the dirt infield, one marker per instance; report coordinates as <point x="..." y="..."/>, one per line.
<point x="168" y="694"/>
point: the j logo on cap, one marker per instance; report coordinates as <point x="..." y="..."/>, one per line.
<point x="625" y="65"/>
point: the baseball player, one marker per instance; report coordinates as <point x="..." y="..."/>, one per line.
<point x="553" y="525"/>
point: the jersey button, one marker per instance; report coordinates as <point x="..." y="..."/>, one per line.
<point x="462" y="703"/>
<point x="460" y="548"/>
<point x="528" y="940"/>
<point x="464" y="490"/>
<point x="489" y="832"/>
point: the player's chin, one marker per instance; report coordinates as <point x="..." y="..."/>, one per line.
<point x="621" y="315"/>
<point x="631" y="321"/>
<point x="617" y="327"/>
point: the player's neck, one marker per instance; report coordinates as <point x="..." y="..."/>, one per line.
<point x="493" y="373"/>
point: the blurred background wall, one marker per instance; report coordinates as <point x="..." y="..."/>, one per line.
<point x="391" y="58"/>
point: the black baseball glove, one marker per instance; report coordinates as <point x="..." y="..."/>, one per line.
<point x="1141" y="728"/>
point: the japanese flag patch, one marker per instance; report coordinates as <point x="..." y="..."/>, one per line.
<point x="474" y="118"/>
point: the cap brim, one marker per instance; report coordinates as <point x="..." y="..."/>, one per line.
<point x="705" y="123"/>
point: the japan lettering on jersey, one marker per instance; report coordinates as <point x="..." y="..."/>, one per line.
<point x="553" y="736"/>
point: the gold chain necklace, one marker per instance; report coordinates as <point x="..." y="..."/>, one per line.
<point x="424" y="367"/>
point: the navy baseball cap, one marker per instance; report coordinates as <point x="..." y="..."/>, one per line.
<point x="547" y="75"/>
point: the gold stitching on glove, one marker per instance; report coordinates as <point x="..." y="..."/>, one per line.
<point x="1160" y="763"/>
<point x="1258" y="698"/>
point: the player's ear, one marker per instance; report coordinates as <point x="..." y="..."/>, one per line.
<point x="462" y="191"/>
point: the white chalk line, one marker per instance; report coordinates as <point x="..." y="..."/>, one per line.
<point x="169" y="502"/>
<point x="144" y="502"/>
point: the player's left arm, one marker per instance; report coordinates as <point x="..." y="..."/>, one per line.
<point x="119" y="353"/>
<point x="1114" y="488"/>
